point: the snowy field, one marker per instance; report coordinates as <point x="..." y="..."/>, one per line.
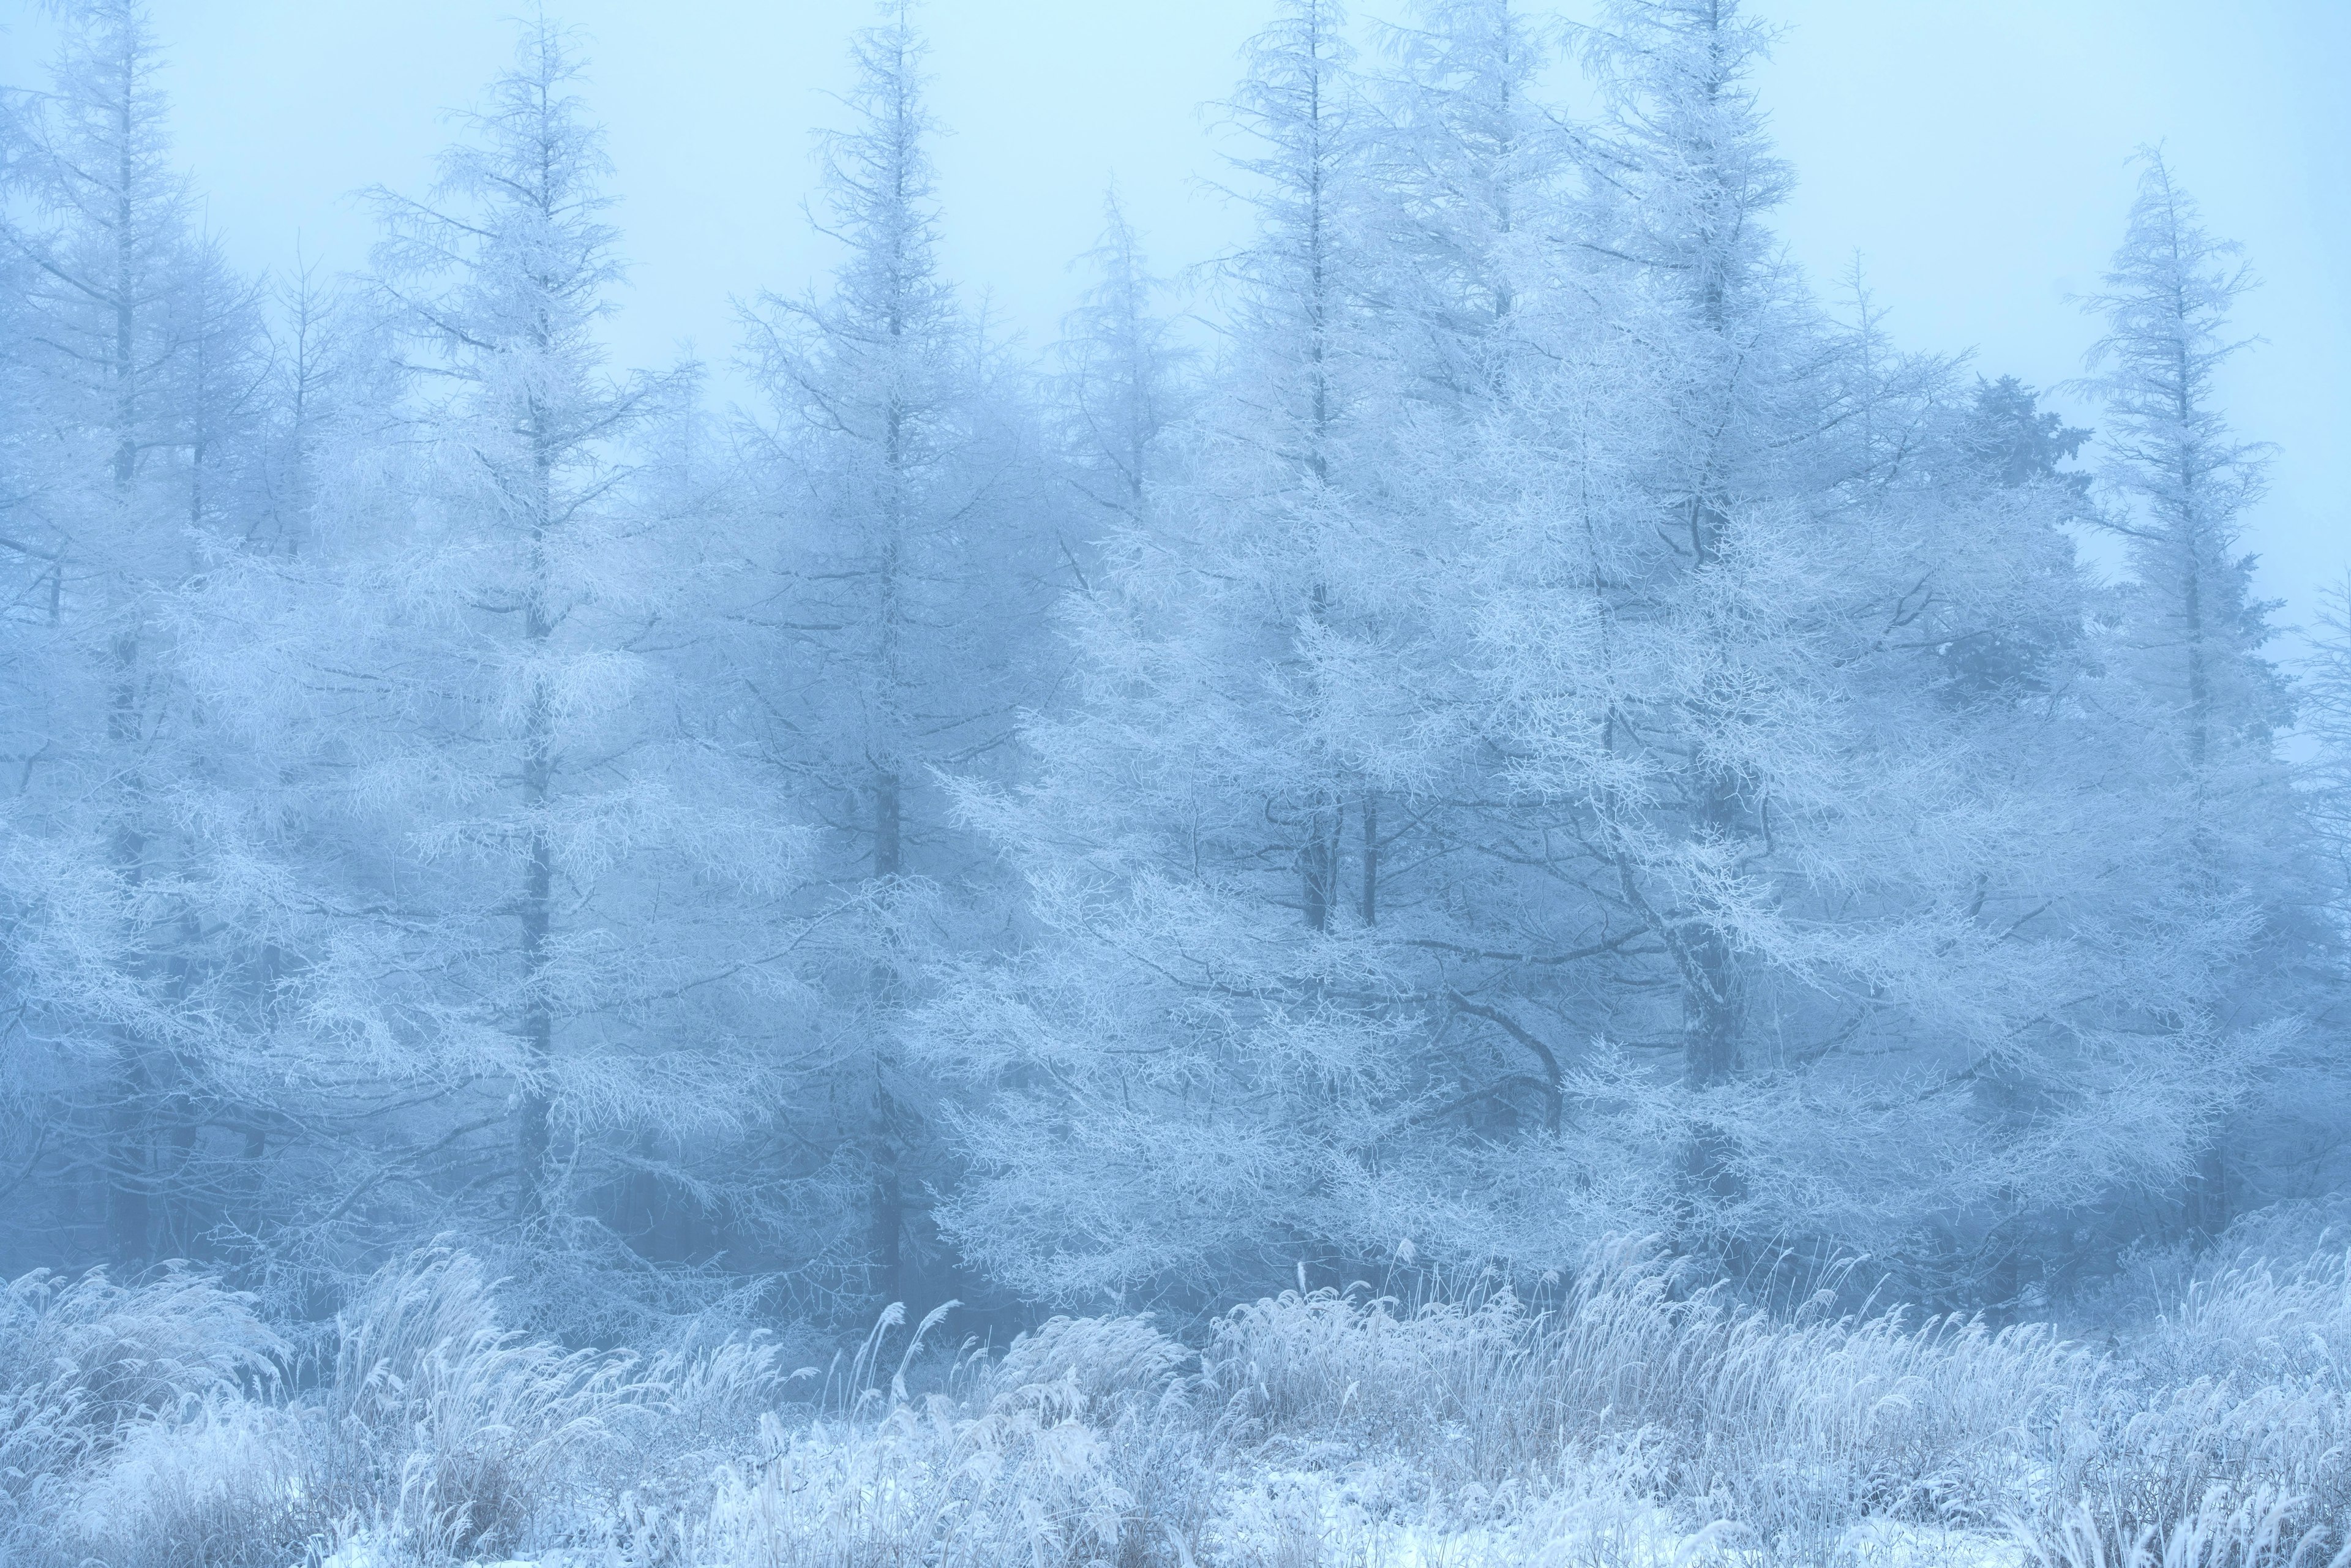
<point x="1636" y="1423"/>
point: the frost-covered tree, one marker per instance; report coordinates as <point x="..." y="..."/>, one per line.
<point x="914" y="526"/>
<point x="222" y="385"/>
<point x="1298" y="301"/>
<point x="319" y="366"/>
<point x="134" y="355"/>
<point x="1296" y="992"/>
<point x="1186" y="1079"/>
<point x="1685" y="177"/>
<point x="1706" y="879"/>
<point x="551" y="875"/>
<point x="1121" y="370"/>
<point x="500" y="278"/>
<point x="1471" y="166"/>
<point x="2215" y="899"/>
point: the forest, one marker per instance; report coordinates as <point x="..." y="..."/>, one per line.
<point x="1488" y="884"/>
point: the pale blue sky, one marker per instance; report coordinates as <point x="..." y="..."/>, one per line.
<point x="1973" y="151"/>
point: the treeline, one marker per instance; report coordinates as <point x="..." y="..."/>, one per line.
<point x="1540" y="725"/>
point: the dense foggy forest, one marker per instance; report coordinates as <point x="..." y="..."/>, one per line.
<point x="1487" y="830"/>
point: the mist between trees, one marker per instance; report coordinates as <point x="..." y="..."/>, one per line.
<point x="1499" y="717"/>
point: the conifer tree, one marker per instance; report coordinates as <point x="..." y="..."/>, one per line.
<point x="1121" y="373"/>
<point x="2219" y="834"/>
<point x="526" y="798"/>
<point x="134" y="356"/>
<point x="1472" y="160"/>
<point x="912" y="549"/>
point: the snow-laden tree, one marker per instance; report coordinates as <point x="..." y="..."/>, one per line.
<point x="914" y="534"/>
<point x="1297" y="986"/>
<point x="1702" y="667"/>
<point x="1472" y="176"/>
<point x="1166" y="1113"/>
<point x="1299" y="286"/>
<point x="222" y="386"/>
<point x="1729" y="691"/>
<point x="499" y="278"/>
<point x="2213" y="849"/>
<point x="1683" y="177"/>
<point x="322" y="358"/>
<point x="550" y="887"/>
<point x="1121" y="384"/>
<point x="1809" y="704"/>
<point x="134" y="356"/>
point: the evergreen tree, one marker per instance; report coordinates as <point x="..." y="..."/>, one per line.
<point x="2217" y="902"/>
<point x="134" y="354"/>
<point x="1122" y="368"/>
<point x="1471" y="163"/>
<point x="563" y="879"/>
<point x="913" y="554"/>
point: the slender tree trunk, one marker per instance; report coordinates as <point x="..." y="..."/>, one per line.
<point x="1319" y="864"/>
<point x="1710" y="1023"/>
<point x="886" y="1202"/>
<point x="129" y="1219"/>
<point x="130" y="1155"/>
<point x="2205" y="1208"/>
<point x="1713" y="989"/>
<point x="534" y="1138"/>
<point x="1711" y="992"/>
<point x="889" y="1203"/>
<point x="1713" y="1000"/>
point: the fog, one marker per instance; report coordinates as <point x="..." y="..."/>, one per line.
<point x="1254" y="786"/>
<point x="1971" y="157"/>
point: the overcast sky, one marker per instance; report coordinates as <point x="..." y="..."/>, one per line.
<point x="1973" y="152"/>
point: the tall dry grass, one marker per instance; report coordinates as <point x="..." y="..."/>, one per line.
<point x="88" y="1365"/>
<point x="2234" y="1406"/>
<point x="1637" y="1421"/>
<point x="164" y="1425"/>
<point x="2257" y="1529"/>
<point x="1793" y="1426"/>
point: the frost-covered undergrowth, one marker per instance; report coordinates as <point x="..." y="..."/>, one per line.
<point x="1636" y="1423"/>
